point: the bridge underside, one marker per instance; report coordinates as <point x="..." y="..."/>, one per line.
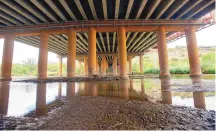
<point x="116" y="27"/>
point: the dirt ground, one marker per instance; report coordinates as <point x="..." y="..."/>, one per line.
<point x="87" y="112"/>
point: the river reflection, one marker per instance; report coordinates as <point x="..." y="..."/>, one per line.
<point x="18" y="99"/>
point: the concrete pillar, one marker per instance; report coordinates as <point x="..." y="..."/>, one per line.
<point x="130" y="65"/>
<point x="43" y="55"/>
<point x="141" y="63"/>
<point x="41" y="109"/>
<point x="103" y="65"/>
<point x="115" y="65"/>
<point x="193" y="55"/>
<point x="60" y="66"/>
<point x="162" y="52"/>
<point x="85" y="66"/>
<point x="97" y="65"/>
<point x="7" y="57"/>
<point x="122" y="52"/>
<point x="91" y="51"/>
<point x="71" y="56"/>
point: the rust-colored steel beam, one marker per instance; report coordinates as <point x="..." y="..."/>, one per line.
<point x="111" y="54"/>
<point x="103" y="26"/>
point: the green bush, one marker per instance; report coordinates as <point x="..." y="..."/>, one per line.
<point x="152" y="71"/>
<point x="179" y="71"/>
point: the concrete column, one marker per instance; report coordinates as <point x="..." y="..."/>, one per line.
<point x="97" y="65"/>
<point x="71" y="56"/>
<point x="130" y="65"/>
<point x="122" y="51"/>
<point x="115" y="65"/>
<point x="91" y="51"/>
<point x="162" y="52"/>
<point x="141" y="63"/>
<point x="60" y="66"/>
<point x="193" y="55"/>
<point x="85" y="66"/>
<point x="7" y="57"/>
<point x="103" y="65"/>
<point x="43" y="55"/>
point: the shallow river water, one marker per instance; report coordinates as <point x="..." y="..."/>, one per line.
<point x="18" y="99"/>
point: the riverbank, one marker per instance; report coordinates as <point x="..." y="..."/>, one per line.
<point x="84" y="78"/>
<point x="85" y="112"/>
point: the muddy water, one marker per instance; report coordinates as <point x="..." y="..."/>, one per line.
<point x="18" y="99"/>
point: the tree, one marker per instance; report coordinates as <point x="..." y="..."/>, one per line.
<point x="31" y="64"/>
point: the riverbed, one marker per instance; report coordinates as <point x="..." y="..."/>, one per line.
<point x="179" y="98"/>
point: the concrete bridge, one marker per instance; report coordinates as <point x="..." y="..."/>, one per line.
<point x="100" y="31"/>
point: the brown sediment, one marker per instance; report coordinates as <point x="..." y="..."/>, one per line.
<point x="86" y="112"/>
<point x="83" y="78"/>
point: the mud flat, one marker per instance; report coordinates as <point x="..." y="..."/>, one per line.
<point x="86" y="112"/>
<point x="84" y="78"/>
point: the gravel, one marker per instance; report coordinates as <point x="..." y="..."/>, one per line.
<point x="100" y="113"/>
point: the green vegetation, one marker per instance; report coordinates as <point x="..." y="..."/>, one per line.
<point x="178" y="62"/>
<point x="29" y="68"/>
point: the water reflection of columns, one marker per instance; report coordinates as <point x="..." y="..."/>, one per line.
<point x="165" y="91"/>
<point x="4" y="96"/>
<point x="41" y="108"/>
<point x="199" y="97"/>
<point x="70" y="89"/>
<point x="115" y="89"/>
<point x="86" y="89"/>
<point x="123" y="86"/>
<point x="59" y="89"/>
<point x="93" y="88"/>
<point x="142" y="88"/>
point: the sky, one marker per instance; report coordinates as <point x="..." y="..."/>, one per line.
<point x="205" y="37"/>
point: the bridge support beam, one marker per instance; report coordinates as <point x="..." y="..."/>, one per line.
<point x="122" y="51"/>
<point x="130" y="65"/>
<point x="91" y="51"/>
<point x="60" y="66"/>
<point x="43" y="55"/>
<point x="193" y="55"/>
<point x="71" y="58"/>
<point x="141" y="63"/>
<point x="7" y="57"/>
<point x="162" y="52"/>
<point x="85" y="65"/>
<point x="103" y="65"/>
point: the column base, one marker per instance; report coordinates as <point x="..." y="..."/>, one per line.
<point x="164" y="76"/>
<point x="196" y="75"/>
<point x="123" y="77"/>
<point x="5" y="79"/>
